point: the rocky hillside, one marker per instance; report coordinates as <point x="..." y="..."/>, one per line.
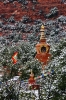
<point x="20" y="23"/>
<point x="35" y="9"/>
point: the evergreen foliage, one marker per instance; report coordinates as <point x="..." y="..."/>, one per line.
<point x="53" y="85"/>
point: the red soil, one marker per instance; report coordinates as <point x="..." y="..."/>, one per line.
<point x="10" y="9"/>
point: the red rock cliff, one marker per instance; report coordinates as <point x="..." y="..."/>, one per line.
<point x="32" y="10"/>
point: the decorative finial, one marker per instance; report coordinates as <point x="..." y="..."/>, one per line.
<point x="32" y="75"/>
<point x="42" y="37"/>
<point x="42" y="27"/>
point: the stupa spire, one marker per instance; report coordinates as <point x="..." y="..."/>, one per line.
<point x="32" y="75"/>
<point x="42" y="37"/>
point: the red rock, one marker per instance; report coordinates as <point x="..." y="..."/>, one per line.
<point x="11" y="8"/>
